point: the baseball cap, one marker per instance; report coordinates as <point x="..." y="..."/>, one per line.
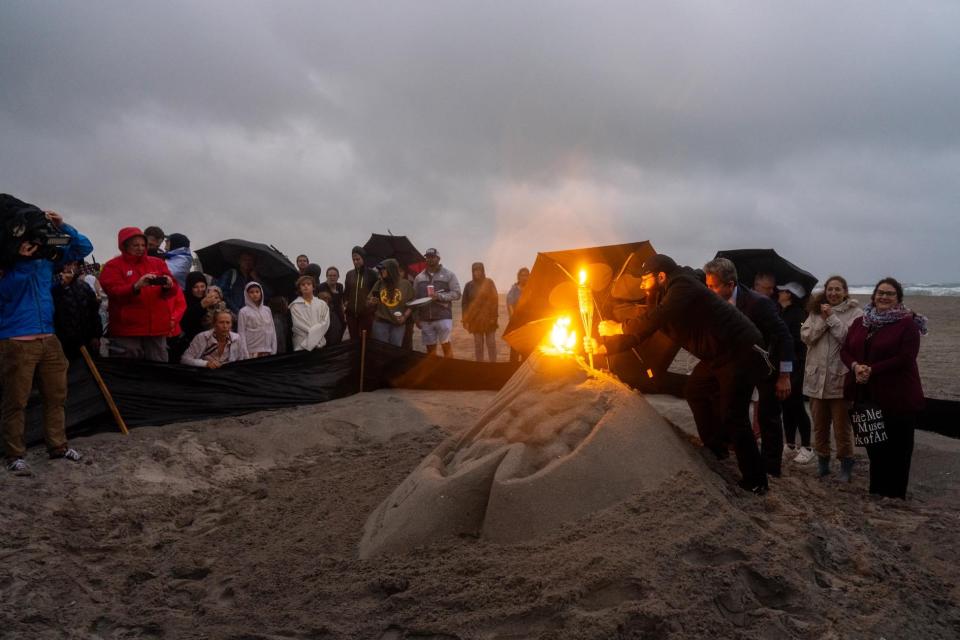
<point x="432" y="252"/>
<point x="657" y="263"/>
<point x="793" y="287"/>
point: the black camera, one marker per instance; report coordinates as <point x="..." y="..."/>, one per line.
<point x="158" y="280"/>
<point x="20" y="222"/>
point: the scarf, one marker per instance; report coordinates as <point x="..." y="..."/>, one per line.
<point x="873" y="319"/>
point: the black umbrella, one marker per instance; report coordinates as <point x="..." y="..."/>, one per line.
<point x="750" y="262"/>
<point x="552" y="291"/>
<point x="272" y="266"/>
<point x="380" y="247"/>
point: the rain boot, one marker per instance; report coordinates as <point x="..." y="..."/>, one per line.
<point x="846" y="469"/>
<point x="823" y="466"/>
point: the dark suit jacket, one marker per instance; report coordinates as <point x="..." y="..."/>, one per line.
<point x="763" y="312"/>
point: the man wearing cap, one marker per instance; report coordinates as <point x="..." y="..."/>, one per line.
<point x="763" y="313"/>
<point x="724" y="340"/>
<point x="435" y="319"/>
<point x="356" y="288"/>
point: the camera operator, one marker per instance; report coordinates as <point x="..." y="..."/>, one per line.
<point x="139" y="287"/>
<point x="28" y="345"/>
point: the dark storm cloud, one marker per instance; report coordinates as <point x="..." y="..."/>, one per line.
<point x="497" y="129"/>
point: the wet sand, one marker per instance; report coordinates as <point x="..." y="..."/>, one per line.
<point x="248" y="528"/>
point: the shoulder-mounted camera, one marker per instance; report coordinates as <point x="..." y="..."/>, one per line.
<point x="20" y="222"/>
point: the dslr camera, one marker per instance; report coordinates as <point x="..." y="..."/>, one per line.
<point x="21" y="221"/>
<point x="157" y="280"/>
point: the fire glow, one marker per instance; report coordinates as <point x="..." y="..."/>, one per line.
<point x="562" y="339"/>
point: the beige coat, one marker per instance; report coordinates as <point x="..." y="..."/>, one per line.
<point x="824" y="373"/>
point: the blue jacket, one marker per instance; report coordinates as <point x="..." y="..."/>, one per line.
<point x="26" y="301"/>
<point x="179" y="261"/>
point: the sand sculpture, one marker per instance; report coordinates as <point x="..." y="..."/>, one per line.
<point x="555" y="445"/>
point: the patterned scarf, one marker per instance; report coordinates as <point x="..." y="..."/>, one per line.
<point x="873" y="319"/>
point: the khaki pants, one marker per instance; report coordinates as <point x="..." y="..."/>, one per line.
<point x="824" y="412"/>
<point x="19" y="360"/>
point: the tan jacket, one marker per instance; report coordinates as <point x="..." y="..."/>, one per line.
<point x="824" y="373"/>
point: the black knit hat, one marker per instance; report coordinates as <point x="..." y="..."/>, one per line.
<point x="657" y="263"/>
<point x="178" y="240"/>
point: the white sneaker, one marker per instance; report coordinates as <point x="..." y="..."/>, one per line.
<point x="19" y="467"/>
<point x="805" y="455"/>
<point x="70" y="454"/>
<point x="789" y="450"/>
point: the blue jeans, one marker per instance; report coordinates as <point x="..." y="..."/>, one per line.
<point x="388" y="332"/>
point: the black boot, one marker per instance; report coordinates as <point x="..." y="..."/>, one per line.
<point x="846" y="469"/>
<point x="823" y="466"/>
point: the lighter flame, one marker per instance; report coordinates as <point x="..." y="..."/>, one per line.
<point x="562" y="339"/>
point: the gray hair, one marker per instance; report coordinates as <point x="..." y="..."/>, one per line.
<point x="722" y="268"/>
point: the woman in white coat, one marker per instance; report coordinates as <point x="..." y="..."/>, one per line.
<point x="310" y="316"/>
<point x="831" y="314"/>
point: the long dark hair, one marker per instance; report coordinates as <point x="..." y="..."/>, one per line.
<point x="821" y="298"/>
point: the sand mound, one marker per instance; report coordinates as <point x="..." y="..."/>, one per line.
<point x="554" y="445"/>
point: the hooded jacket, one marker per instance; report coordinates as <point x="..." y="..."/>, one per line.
<point x="825" y="372"/>
<point x="192" y="320"/>
<point x="255" y="324"/>
<point x="392" y="301"/>
<point x="480" y="303"/>
<point x="26" y="301"/>
<point x="143" y="313"/>
<point x="357" y="286"/>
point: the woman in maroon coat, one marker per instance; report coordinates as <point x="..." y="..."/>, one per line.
<point x="881" y="352"/>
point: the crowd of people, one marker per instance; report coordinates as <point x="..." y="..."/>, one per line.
<point x="769" y="346"/>
<point x="764" y="343"/>
<point x="150" y="302"/>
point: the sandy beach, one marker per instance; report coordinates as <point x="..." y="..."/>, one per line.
<point x="248" y="528"/>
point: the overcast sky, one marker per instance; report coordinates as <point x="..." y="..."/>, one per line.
<point x="493" y="130"/>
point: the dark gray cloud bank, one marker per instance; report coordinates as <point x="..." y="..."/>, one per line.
<point x="493" y="130"/>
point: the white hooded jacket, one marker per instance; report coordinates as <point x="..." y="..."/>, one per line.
<point x="255" y="324"/>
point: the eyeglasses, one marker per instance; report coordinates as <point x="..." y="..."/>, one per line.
<point x="885" y="293"/>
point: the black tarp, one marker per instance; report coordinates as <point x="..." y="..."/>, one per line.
<point x="150" y="393"/>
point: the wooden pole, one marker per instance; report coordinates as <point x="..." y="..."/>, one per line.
<point x="106" y="392"/>
<point x="363" y="356"/>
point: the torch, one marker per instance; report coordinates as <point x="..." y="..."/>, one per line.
<point x="585" y="299"/>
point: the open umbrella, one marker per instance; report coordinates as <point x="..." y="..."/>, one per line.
<point x="380" y="247"/>
<point x="750" y="262"/>
<point x="273" y="267"/>
<point x="551" y="291"/>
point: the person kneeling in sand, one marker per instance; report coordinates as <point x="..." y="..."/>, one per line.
<point x="216" y="347"/>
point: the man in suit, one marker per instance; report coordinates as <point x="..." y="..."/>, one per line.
<point x="762" y="312"/>
<point x="724" y="340"/>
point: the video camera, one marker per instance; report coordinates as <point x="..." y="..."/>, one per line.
<point x="21" y="221"/>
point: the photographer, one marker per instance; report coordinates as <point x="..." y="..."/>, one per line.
<point x="28" y="345"/>
<point x="138" y="287"/>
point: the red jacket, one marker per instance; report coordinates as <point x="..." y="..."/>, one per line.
<point x="137" y="313"/>
<point x="892" y="355"/>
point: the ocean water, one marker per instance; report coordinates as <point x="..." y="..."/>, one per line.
<point x="920" y="289"/>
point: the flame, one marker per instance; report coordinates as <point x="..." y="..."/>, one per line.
<point x="583" y="277"/>
<point x="562" y="340"/>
